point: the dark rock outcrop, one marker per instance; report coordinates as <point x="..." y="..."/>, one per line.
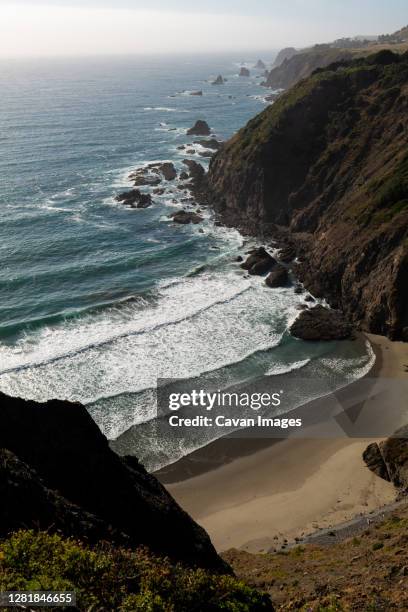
<point x="244" y="72"/>
<point x="211" y="143"/>
<point x="200" y="128"/>
<point x="27" y="502"/>
<point x="147" y="175"/>
<point x="62" y="444"/>
<point x="272" y="97"/>
<point x="287" y="253"/>
<point x="258" y="262"/>
<point x="198" y="180"/>
<point x="168" y="170"/>
<point x="328" y="161"/>
<point x="185" y="217"/>
<point x="196" y="93"/>
<point x="389" y="459"/>
<point x="320" y="323"/>
<point x="375" y="462"/>
<point x="218" y="81"/>
<point x="279" y="277"/>
<point x="135" y="199"/>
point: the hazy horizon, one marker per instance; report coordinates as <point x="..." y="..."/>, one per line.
<point x="69" y="28"/>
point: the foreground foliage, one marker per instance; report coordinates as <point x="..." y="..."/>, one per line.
<point x="110" y="578"/>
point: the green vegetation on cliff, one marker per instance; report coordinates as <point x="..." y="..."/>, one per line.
<point x="106" y="578"/>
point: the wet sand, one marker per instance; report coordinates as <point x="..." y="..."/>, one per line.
<point x="255" y="493"/>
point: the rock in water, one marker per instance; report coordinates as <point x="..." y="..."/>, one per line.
<point x="200" y="128"/>
<point x="258" y="262"/>
<point x="168" y="171"/>
<point x="56" y="446"/>
<point x="198" y="184"/>
<point x="320" y="323"/>
<point x="244" y="72"/>
<point x="260" y="65"/>
<point x="211" y="143"/>
<point x="135" y="199"/>
<point x="218" y="81"/>
<point x="287" y="253"/>
<point x="184" y="217"/>
<point x="279" y="277"/>
<point x="196" y="93"/>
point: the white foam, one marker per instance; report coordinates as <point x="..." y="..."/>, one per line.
<point x="161" y="108"/>
<point x="351" y="369"/>
<point x="286" y="368"/>
<point x="197" y="324"/>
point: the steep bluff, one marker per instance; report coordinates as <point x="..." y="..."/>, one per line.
<point x="57" y="472"/>
<point x="292" y="65"/>
<point x="284" y="54"/>
<point x="328" y="161"/>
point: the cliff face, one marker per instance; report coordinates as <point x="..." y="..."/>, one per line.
<point x="329" y="161"/>
<point x="284" y="54"/>
<point x="292" y="66"/>
<point x="59" y="473"/>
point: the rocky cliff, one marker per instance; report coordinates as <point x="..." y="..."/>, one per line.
<point x="58" y="473"/>
<point x="284" y="54"/>
<point x="328" y="162"/>
<point x="292" y="66"/>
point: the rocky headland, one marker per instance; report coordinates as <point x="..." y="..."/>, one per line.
<point x="284" y="54"/>
<point x="291" y="66"/>
<point x="324" y="171"/>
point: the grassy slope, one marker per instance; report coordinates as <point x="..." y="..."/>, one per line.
<point x="367" y="573"/>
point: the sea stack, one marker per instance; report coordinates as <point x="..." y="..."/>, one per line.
<point x="219" y="80"/>
<point x="244" y="72"/>
<point x="200" y="128"/>
<point x="260" y="65"/>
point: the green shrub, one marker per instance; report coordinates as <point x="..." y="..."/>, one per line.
<point x="113" y="578"/>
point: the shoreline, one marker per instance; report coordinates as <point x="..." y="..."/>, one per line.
<point x="230" y="447"/>
<point x="255" y="494"/>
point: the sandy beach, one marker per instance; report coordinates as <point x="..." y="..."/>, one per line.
<point x="285" y="489"/>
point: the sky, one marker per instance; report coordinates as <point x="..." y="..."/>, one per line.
<point x="32" y="28"/>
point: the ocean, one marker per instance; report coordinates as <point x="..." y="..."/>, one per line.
<point x="97" y="300"/>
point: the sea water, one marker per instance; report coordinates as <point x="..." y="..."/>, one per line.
<point x="97" y="300"/>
